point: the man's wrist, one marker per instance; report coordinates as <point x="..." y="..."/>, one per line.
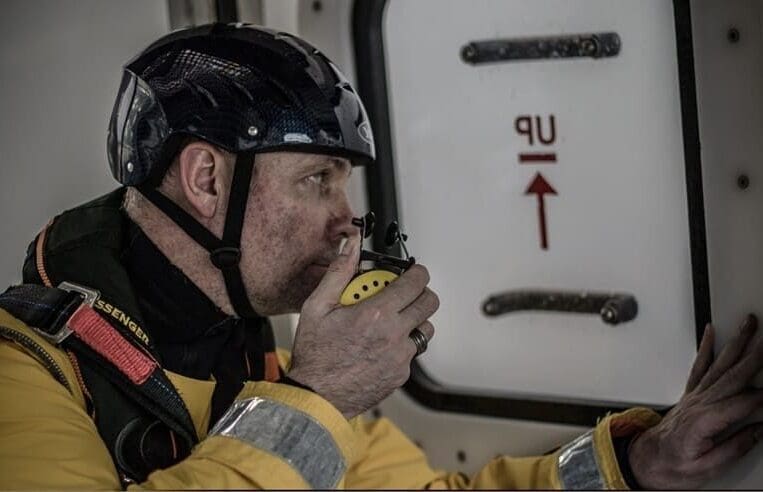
<point x="622" y="446"/>
<point x="317" y="387"/>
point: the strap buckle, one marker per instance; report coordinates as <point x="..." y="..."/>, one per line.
<point x="89" y="296"/>
<point x="225" y="257"/>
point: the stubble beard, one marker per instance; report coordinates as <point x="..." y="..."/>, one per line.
<point x="288" y="293"/>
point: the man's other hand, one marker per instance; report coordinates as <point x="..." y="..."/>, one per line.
<point x="355" y="356"/>
<point x="699" y="437"/>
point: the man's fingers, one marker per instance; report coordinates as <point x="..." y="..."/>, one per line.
<point x="403" y="291"/>
<point x="723" y="414"/>
<point x="326" y="296"/>
<point x="421" y="309"/>
<point x="704" y="358"/>
<point x="739" y="376"/>
<point x="730" y="353"/>
<point x="730" y="450"/>
<point x="427" y="329"/>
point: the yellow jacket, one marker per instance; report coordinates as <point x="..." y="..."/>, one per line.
<point x="275" y="436"/>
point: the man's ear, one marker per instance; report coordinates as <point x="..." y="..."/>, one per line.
<point x="203" y="173"/>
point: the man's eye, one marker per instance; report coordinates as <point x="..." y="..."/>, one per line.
<point x="318" y="178"/>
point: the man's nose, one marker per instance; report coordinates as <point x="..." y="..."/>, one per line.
<point x="341" y="220"/>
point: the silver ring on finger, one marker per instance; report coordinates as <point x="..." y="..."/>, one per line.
<point x="420" y="340"/>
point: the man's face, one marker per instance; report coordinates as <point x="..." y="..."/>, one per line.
<point x="296" y="218"/>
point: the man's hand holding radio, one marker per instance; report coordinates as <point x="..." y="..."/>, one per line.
<point x="355" y="356"/>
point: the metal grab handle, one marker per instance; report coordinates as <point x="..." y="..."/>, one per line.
<point x="594" y="45"/>
<point x="613" y="308"/>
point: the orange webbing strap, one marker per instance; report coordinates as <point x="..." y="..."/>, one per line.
<point x="101" y="337"/>
<point x="39" y="252"/>
<point x="272" y="373"/>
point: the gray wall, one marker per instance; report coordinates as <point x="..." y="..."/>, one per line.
<point x="61" y="66"/>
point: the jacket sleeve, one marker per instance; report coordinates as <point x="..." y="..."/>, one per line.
<point x="390" y="460"/>
<point x="274" y="436"/>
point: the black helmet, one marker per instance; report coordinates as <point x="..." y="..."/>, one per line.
<point x="237" y="86"/>
<point x="245" y="89"/>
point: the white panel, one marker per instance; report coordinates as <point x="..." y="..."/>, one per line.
<point x="250" y="11"/>
<point x="730" y="94"/>
<point x="186" y="13"/>
<point x="280" y="14"/>
<point x="619" y="223"/>
<point x="61" y="67"/>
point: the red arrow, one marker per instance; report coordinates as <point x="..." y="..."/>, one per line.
<point x="540" y="187"/>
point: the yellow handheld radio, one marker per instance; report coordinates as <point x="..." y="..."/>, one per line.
<point x="367" y="283"/>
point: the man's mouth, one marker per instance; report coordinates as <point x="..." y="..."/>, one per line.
<point x="322" y="263"/>
<point x="325" y="260"/>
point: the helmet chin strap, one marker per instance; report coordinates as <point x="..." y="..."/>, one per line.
<point x="225" y="253"/>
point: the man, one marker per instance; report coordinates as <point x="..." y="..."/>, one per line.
<point x="235" y="145"/>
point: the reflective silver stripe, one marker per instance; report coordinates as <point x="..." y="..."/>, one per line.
<point x="578" y="468"/>
<point x="286" y="432"/>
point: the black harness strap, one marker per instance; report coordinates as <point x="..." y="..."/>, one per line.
<point x="224" y="253"/>
<point x="198" y="233"/>
<point x="234" y="223"/>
